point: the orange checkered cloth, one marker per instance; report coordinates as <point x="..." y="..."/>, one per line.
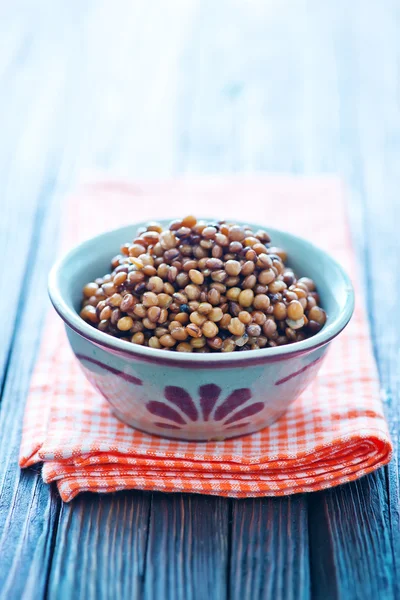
<point x="335" y="433"/>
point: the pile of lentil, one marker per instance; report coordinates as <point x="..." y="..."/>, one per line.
<point x="203" y="287"/>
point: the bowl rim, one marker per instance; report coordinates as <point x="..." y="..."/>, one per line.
<point x="105" y="341"/>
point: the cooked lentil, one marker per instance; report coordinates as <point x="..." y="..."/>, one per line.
<point x="203" y="287"/>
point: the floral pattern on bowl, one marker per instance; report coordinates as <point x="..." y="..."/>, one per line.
<point x="216" y="412"/>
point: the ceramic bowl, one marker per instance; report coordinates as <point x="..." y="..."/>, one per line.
<point x="203" y="396"/>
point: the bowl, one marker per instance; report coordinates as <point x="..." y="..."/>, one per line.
<point x="197" y="396"/>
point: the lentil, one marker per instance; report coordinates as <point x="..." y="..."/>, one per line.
<point x="215" y="314"/>
<point x="236" y="327"/>
<point x="202" y="287"/>
<point x="246" y="298"/>
<point x="280" y="311"/>
<point x="125" y="323"/>
<point x="232" y="267"/>
<point x="198" y="342"/>
<point x="245" y="317"/>
<point x="317" y="314"/>
<point x="138" y="338"/>
<point x="167" y="340"/>
<point x="184" y="347"/>
<point x="89" y="313"/>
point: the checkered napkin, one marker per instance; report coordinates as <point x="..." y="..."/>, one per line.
<point x="336" y="432"/>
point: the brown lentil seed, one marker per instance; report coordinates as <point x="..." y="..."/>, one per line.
<point x="259" y="317"/>
<point x="259" y="249"/>
<point x="137" y="326"/>
<point x="234" y="308"/>
<point x="235" y="247"/>
<point x="182" y="318"/>
<point x="155" y="284"/>
<point x="108" y="289"/>
<point x="266" y="277"/>
<point x="308" y="283"/>
<point x="197" y="318"/>
<point x="138" y="338"/>
<point x="103" y="325"/>
<point x="196" y="276"/>
<point x="245" y="317"/>
<point x="249" y="282"/>
<point x="125" y="323"/>
<point x="236" y="233"/>
<point x="228" y="345"/>
<point x="192" y="292"/>
<point x="159" y="331"/>
<point x="184" y="347"/>
<point x="215" y="314"/>
<point x="314" y="327"/>
<point x="253" y="330"/>
<point x="236" y="327"/>
<point x="269" y="328"/>
<point x="214" y="264"/>
<point x="168" y="240"/>
<point x="193" y="305"/>
<point x="149" y="299"/>
<point x="198" y="342"/>
<point x="120" y="278"/>
<point x="140" y="311"/>
<point x="233" y="267"/>
<point x="168" y="288"/>
<point x="303" y="302"/>
<point x="261" y="302"/>
<point x="149" y="324"/>
<point x="246" y="298"/>
<point x="193" y="330"/>
<point x="317" y="314"/>
<point x="215" y="343"/>
<point x="221" y="239"/>
<point x="280" y="311"/>
<point x="189" y="221"/>
<point x="209" y="233"/>
<point x="241" y="340"/>
<point x="290" y="334"/>
<point x="154" y="313"/>
<point x="217" y="285"/>
<point x="276" y="286"/>
<point x="115" y="300"/>
<point x="105" y="313"/>
<point x="213" y="297"/>
<point x="135" y="277"/>
<point x="300" y="293"/>
<point x="182" y="279"/>
<point x="209" y="329"/>
<point x="217" y="252"/>
<point x="204" y="308"/>
<point x="167" y="340"/>
<point x="116" y="315"/>
<point x="89" y="313"/>
<point x="295" y="324"/>
<point x="179" y="333"/>
<point x="224" y="322"/>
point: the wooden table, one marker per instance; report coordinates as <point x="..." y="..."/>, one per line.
<point x="154" y="89"/>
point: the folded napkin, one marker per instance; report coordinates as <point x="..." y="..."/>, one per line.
<point x="336" y="432"/>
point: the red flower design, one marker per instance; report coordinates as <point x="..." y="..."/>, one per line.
<point x="179" y="411"/>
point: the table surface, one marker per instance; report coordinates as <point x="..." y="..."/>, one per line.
<point x="157" y="89"/>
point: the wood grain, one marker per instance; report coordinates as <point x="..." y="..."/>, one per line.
<point x="269" y="542"/>
<point x="100" y="550"/>
<point x="187" y="554"/>
<point x="156" y="89"/>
